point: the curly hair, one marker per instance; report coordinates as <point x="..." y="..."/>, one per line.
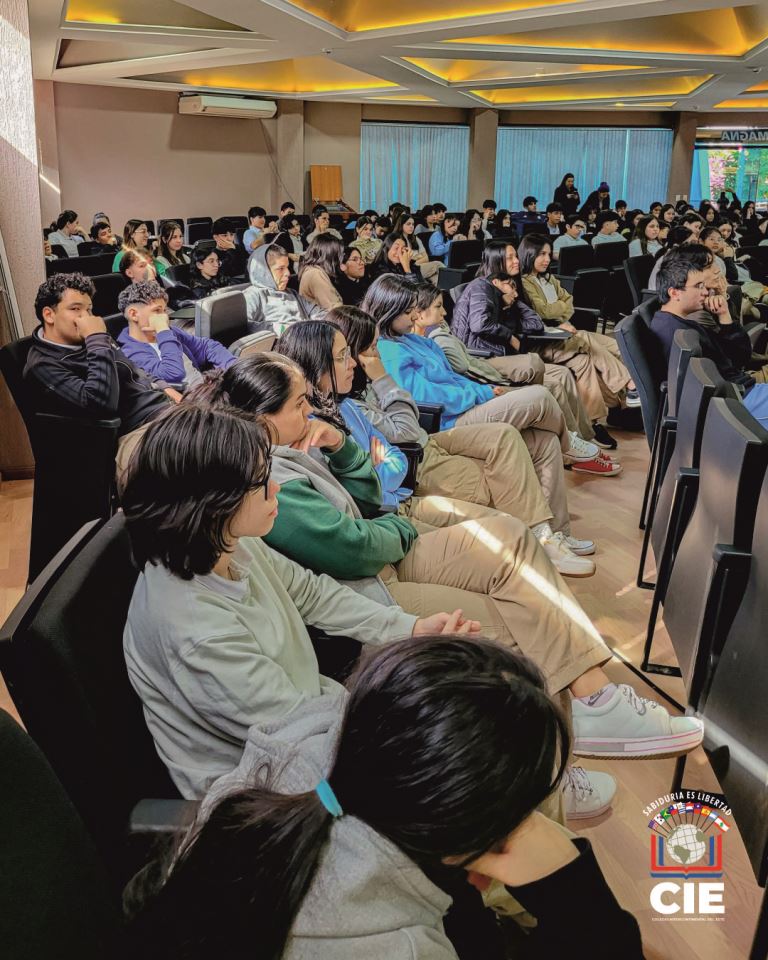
<point x="141" y="292"/>
<point x="51" y="291"/>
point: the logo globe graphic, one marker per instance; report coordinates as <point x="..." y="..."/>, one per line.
<point x="686" y="844"/>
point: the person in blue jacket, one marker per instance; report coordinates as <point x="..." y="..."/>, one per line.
<point x="441" y="240"/>
<point x="164" y="352"/>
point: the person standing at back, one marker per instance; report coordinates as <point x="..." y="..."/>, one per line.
<point x="567" y="195"/>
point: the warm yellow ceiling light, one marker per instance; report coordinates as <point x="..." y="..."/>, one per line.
<point x="404" y="98"/>
<point x="594" y="90"/>
<point x="303" y="75"/>
<point x="354" y="16"/>
<point x="155" y="13"/>
<point x="466" y="71"/>
<point x="758" y="87"/>
<point x="743" y="103"/>
<point x="730" y="32"/>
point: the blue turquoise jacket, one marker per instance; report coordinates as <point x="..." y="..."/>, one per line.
<point x="419" y="366"/>
<point x="440" y="245"/>
<point x="392" y="470"/>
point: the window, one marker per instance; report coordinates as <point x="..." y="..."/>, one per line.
<point x="413" y="163"/>
<point x="742" y="169"/>
<point x="633" y="161"/>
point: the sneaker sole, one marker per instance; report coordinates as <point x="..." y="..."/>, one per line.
<point x="671" y="745"/>
<point x="595" y="473"/>
<point x="605" y="446"/>
<point x="583" y="551"/>
<point x="592" y="813"/>
<point x="576" y="576"/>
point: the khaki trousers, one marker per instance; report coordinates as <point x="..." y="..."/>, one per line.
<point x="595" y="361"/>
<point x="487" y="464"/>
<point x="492" y="567"/>
<point x="534" y="412"/>
<point x="530" y="368"/>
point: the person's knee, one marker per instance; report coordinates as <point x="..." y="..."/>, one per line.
<point x="535" y="368"/>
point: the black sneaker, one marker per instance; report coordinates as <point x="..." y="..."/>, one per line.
<point x="602" y="438"/>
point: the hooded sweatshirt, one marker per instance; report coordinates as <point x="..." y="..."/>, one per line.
<point x="320" y="523"/>
<point x="420" y="367"/>
<point x="268" y="307"/>
<point x="210" y="657"/>
<point x="369" y="899"/>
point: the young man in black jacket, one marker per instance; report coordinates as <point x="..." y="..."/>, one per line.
<point x="74" y="368"/>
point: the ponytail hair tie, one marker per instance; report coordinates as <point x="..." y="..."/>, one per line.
<point x="328" y="799"/>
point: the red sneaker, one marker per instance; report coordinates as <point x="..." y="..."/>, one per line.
<point x="598" y="467"/>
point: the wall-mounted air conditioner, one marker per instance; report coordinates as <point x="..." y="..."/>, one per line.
<point x="215" y="105"/>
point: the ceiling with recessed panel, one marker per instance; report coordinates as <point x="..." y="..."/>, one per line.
<point x="519" y="54"/>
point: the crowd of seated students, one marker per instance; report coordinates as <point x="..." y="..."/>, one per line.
<point x="266" y="495"/>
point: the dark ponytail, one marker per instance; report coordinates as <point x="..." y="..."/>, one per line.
<point x="260" y="384"/>
<point x="234" y="886"/>
<point x="447" y="744"/>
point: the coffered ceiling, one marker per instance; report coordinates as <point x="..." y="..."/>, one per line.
<point x="525" y="54"/>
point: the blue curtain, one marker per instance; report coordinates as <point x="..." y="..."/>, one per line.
<point x="414" y="164"/>
<point x="634" y="161"/>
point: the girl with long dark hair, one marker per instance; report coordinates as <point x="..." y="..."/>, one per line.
<point x="567" y="195"/>
<point x="444" y="233"/>
<point x="319" y="269"/>
<point x="215" y="639"/>
<point x="170" y="247"/>
<point x="595" y="360"/>
<point x="136" y="237"/>
<point x="395" y="257"/>
<point x="406" y="227"/>
<point x="365" y="241"/>
<point x="356" y="848"/>
<point x="646" y="238"/>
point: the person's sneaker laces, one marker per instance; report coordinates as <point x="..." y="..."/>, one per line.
<point x="581" y="449"/>
<point x="626" y="726"/>
<point x="587" y="793"/>
<point x="581" y="547"/>
<point x="598" y="467"/>
<point x="564" y="560"/>
<point x="603" y="438"/>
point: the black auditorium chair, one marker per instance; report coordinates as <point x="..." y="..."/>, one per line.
<point x="197" y="230"/>
<point x="679" y="486"/>
<point x="109" y="286"/>
<point x="712" y="565"/>
<point x="58" y="251"/>
<point x="61" y="654"/>
<point x="57" y="900"/>
<point x="87" y="247"/>
<point x="638" y="271"/>
<point x="224" y="317"/>
<point x="571" y="259"/>
<point x="181" y="273"/>
<point x="642" y="356"/>
<point x="685" y="344"/>
<point x="74" y="464"/>
<point x="647" y="308"/>
<point x="99" y="263"/>
<point x="734" y="708"/>
<point x="611" y="255"/>
<point x="465" y="253"/>
<point x="237" y="222"/>
<point x="151" y="227"/>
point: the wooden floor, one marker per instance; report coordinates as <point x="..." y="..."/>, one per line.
<point x="605" y="510"/>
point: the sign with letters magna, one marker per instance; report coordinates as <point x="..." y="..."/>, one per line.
<point x="744" y="136"/>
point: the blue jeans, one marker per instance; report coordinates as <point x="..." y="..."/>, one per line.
<point x="756" y="401"/>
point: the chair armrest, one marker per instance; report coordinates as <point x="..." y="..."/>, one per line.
<point x="429" y="416"/>
<point x="54" y="419"/>
<point x="482" y="354"/>
<point x="414" y="453"/>
<point x="567" y="283"/>
<point x="162" y="816"/>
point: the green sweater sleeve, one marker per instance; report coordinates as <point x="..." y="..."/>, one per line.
<point x="315" y="534"/>
<point x="354" y="470"/>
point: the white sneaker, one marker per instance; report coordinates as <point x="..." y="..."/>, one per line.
<point x="628" y="726"/>
<point x="582" y="548"/>
<point x="587" y="793"/>
<point x="564" y="560"/>
<point x="581" y="449"/>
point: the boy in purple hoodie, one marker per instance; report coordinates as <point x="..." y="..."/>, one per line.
<point x="163" y="351"/>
